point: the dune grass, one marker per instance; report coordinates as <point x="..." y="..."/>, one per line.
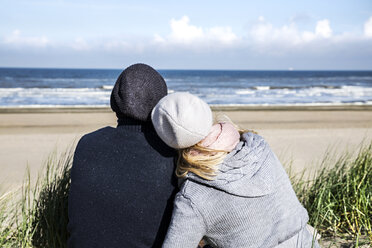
<point x="36" y="216"/>
<point x="338" y="199"/>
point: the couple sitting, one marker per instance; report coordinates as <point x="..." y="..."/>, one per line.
<point x="231" y="190"/>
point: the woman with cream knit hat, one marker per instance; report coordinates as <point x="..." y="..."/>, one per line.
<point x="234" y="191"/>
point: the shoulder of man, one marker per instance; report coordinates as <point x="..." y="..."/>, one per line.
<point x="90" y="140"/>
<point x="95" y="134"/>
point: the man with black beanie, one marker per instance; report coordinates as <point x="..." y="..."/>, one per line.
<point x="122" y="183"/>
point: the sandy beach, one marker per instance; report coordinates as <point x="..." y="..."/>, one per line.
<point x="297" y="135"/>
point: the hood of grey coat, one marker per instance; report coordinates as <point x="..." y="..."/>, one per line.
<point x="245" y="171"/>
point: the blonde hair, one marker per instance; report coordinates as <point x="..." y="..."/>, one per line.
<point x="202" y="161"/>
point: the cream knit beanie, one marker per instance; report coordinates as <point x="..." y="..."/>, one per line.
<point x="181" y="119"/>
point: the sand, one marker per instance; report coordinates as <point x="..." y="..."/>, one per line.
<point x="298" y="136"/>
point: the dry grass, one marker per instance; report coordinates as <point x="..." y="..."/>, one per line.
<point x="338" y="200"/>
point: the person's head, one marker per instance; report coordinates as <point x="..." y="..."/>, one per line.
<point x="137" y="90"/>
<point x="184" y="121"/>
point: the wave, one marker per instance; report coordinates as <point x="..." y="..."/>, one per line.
<point x="110" y="87"/>
<point x="53" y="96"/>
<point x="258" y="95"/>
<point x="58" y="79"/>
<point x="308" y="88"/>
<point x="261" y="87"/>
<point x="364" y="103"/>
<point x="294" y="87"/>
<point x="107" y="87"/>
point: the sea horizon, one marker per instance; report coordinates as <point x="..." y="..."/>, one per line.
<point x="43" y="87"/>
<point x="183" y="69"/>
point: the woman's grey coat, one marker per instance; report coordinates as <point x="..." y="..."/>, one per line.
<point x="251" y="203"/>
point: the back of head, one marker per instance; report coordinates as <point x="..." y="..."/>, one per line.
<point x="182" y="119"/>
<point x="137" y="90"/>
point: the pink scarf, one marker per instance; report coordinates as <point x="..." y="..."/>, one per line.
<point x="223" y="136"/>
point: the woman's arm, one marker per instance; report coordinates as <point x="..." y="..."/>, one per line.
<point x="187" y="226"/>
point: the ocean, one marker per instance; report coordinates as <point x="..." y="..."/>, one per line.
<point x="22" y="87"/>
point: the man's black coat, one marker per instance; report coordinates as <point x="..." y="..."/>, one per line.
<point x="122" y="188"/>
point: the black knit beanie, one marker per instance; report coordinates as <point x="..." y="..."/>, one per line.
<point x="136" y="92"/>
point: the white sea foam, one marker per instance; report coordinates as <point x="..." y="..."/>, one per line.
<point x="110" y="87"/>
<point x="212" y="95"/>
<point x="244" y="92"/>
<point x="262" y="87"/>
<point x="107" y="87"/>
<point x="53" y="96"/>
<point x="54" y="106"/>
<point x="322" y="95"/>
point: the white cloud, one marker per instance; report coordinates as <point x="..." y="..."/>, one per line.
<point x="17" y="39"/>
<point x="183" y="33"/>
<point x="264" y="33"/>
<point x="323" y="29"/>
<point x="223" y="34"/>
<point x="368" y="27"/>
<point x="308" y="36"/>
<point x="264" y="39"/>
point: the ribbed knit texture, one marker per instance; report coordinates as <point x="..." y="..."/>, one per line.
<point x="250" y="204"/>
<point x="137" y="90"/>
<point x="121" y="188"/>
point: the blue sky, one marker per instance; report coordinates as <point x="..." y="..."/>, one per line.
<point x="187" y="34"/>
